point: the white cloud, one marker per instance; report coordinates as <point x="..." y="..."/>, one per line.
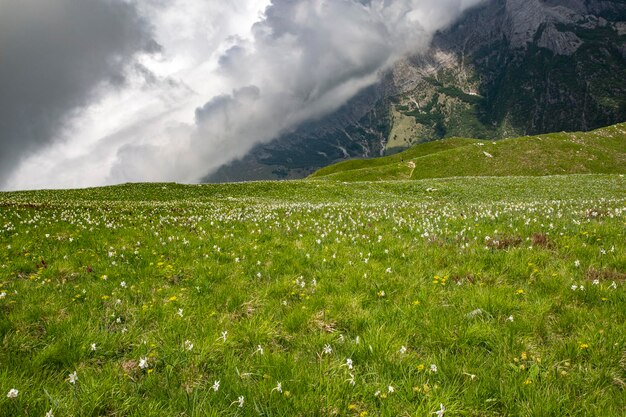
<point x="229" y="77"/>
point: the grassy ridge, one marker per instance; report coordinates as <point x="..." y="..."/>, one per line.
<point x="488" y="296"/>
<point x="418" y="151"/>
<point x="600" y="151"/>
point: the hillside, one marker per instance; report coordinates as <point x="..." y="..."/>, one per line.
<point x="600" y="151"/>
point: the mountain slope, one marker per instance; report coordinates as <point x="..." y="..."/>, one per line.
<point x="508" y="68"/>
<point x="601" y="151"/>
<point x="415" y="152"/>
<point x="516" y="67"/>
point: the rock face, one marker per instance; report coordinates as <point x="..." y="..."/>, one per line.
<point x="561" y="43"/>
<point x="508" y="68"/>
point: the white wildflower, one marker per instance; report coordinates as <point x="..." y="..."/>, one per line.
<point x="279" y="387"/>
<point x="390" y="389"/>
<point x="73" y="377"/>
<point x="180" y="312"/>
<point x="188" y="345"/>
<point x="349" y="363"/>
<point x="123" y="284"/>
<point x="216" y="386"/>
<point x="12" y="393"/>
<point x="475" y="313"/>
<point x="441" y="411"/>
<point x="351" y="381"/>
<point x="143" y="362"/>
<point x="93" y="347"/>
<point x="240" y="401"/>
<point x="433" y="368"/>
<point x="403" y="350"/>
<point x="327" y="349"/>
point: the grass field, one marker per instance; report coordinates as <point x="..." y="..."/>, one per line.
<point x="602" y="151"/>
<point x="477" y="296"/>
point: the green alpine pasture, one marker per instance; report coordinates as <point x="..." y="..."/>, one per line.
<point x="439" y="297"/>
<point x="601" y="151"/>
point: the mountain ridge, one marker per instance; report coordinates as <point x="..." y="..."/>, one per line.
<point x="508" y="68"/>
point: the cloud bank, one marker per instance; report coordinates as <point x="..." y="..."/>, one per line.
<point x="54" y="56"/>
<point x="182" y="87"/>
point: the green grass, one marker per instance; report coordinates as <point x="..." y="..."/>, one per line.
<point x="418" y="151"/>
<point x="395" y="276"/>
<point x="602" y="151"/>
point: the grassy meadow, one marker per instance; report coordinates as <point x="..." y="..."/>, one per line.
<point x="602" y="151"/>
<point x="438" y="297"/>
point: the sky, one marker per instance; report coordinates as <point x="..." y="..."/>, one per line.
<point x="99" y="92"/>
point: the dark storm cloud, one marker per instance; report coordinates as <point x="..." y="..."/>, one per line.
<point x="54" y="54"/>
<point x="305" y="58"/>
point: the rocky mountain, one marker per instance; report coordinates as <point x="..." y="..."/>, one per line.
<point x="508" y="68"/>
